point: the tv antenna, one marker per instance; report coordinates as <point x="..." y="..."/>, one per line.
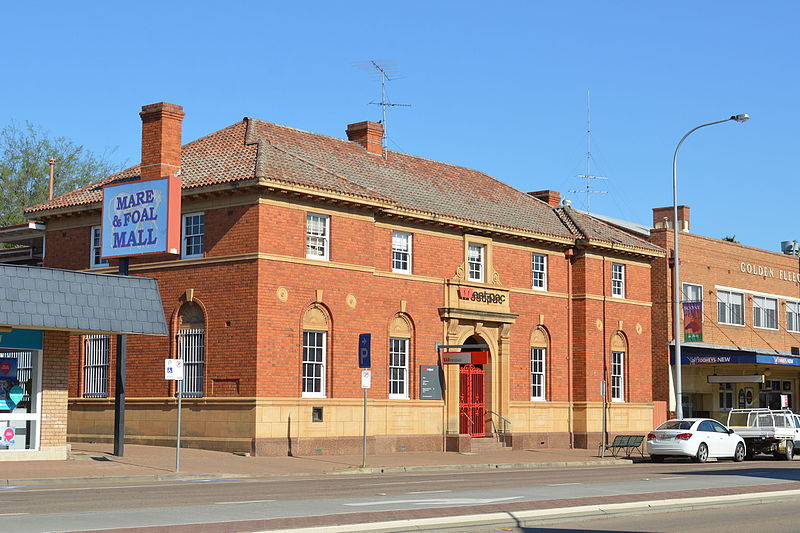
<point x="588" y="191"/>
<point x="385" y="76"/>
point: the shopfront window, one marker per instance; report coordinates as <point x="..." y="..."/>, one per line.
<point x="725" y="396"/>
<point x="20" y="399"/>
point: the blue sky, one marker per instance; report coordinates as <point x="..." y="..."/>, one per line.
<point x="500" y="88"/>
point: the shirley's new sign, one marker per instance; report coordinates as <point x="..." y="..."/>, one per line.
<point x="141" y="217"/>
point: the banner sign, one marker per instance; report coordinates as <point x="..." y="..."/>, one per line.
<point x="141" y="217"/>
<point x="693" y="321"/>
<point x="465" y="358"/>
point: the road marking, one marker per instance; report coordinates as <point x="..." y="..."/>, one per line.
<point x="428" y="491"/>
<point x="401" y="483"/>
<point x="13" y="514"/>
<point x="243" y="502"/>
<point x="562" y="484"/>
<point x="673" y="477"/>
<point x="440" y="501"/>
<point x="14" y="487"/>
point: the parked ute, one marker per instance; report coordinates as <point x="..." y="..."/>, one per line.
<point x="776" y="432"/>
<point x="698" y="438"/>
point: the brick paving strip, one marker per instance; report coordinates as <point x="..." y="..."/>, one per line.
<point x="405" y="515"/>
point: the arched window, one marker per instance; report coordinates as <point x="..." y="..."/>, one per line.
<point x="315" y="348"/>
<point x="618" y="350"/>
<point x="539" y="345"/>
<point x="191" y="348"/>
<point x="399" y="357"/>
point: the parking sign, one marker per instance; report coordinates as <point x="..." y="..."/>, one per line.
<point x="173" y="369"/>
<point x="364" y="345"/>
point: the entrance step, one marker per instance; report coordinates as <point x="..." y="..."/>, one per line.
<point x="487" y="444"/>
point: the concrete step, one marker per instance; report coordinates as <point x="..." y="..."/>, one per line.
<point x="488" y="444"/>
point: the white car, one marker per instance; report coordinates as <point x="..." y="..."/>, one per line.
<point x="698" y="438"/>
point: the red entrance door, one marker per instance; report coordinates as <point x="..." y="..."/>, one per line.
<point x="472" y="405"/>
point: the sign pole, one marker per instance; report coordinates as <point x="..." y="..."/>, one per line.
<point x="364" y="441"/>
<point x="178" y="440"/>
<point x="364" y="363"/>
<point x="119" y="396"/>
<point x="605" y="428"/>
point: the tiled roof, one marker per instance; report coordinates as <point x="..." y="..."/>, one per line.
<point x="282" y="156"/>
<point x="47" y="298"/>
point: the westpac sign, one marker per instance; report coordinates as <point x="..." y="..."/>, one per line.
<point x="141" y="217"/>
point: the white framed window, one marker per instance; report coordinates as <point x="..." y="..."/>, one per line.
<point x="617" y="280"/>
<point x="398" y="368"/>
<point x="692" y="292"/>
<point x="765" y="312"/>
<point x="793" y="316"/>
<point x="317" y="236"/>
<point x="95" y="261"/>
<point x="730" y="307"/>
<point x="539" y="270"/>
<point x="193" y="232"/>
<point x="538" y="367"/>
<point x="95" y="366"/>
<point x="314" y="364"/>
<point x="401" y="252"/>
<point x="476" y="254"/>
<point x="617" y="376"/>
<point x="725" y="396"/>
<point x="191" y="348"/>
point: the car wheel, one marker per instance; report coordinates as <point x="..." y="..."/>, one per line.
<point x="788" y="453"/>
<point x="739" y="454"/>
<point x="657" y="458"/>
<point x="702" y="453"/>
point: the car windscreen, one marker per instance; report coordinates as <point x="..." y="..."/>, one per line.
<point x="676" y="424"/>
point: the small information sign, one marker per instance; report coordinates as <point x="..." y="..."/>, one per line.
<point x="430" y="386"/>
<point x="173" y="369"/>
<point x="366" y="378"/>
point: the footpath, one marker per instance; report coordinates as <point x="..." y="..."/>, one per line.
<point x="96" y="461"/>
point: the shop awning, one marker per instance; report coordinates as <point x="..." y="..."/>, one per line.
<point x="709" y="354"/>
<point x="79" y="302"/>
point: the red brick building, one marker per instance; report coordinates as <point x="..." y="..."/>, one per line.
<point x="749" y="309"/>
<point x="295" y="243"/>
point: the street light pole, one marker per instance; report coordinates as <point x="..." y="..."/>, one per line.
<point x="676" y="278"/>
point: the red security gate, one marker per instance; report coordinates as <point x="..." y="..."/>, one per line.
<point x="472" y="404"/>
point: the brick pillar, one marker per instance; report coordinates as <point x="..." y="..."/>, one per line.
<point x="161" y="140"/>
<point x="55" y="379"/>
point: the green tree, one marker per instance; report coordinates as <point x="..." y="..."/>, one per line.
<point x="25" y="152"/>
<point x="730" y="238"/>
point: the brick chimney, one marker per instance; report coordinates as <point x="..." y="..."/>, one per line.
<point x="662" y="217"/>
<point x="368" y="134"/>
<point x="161" y="140"/>
<point x="552" y="198"/>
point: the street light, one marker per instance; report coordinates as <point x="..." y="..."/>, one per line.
<point x="676" y="288"/>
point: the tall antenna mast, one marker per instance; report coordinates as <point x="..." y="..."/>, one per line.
<point x="384" y="103"/>
<point x="588" y="176"/>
